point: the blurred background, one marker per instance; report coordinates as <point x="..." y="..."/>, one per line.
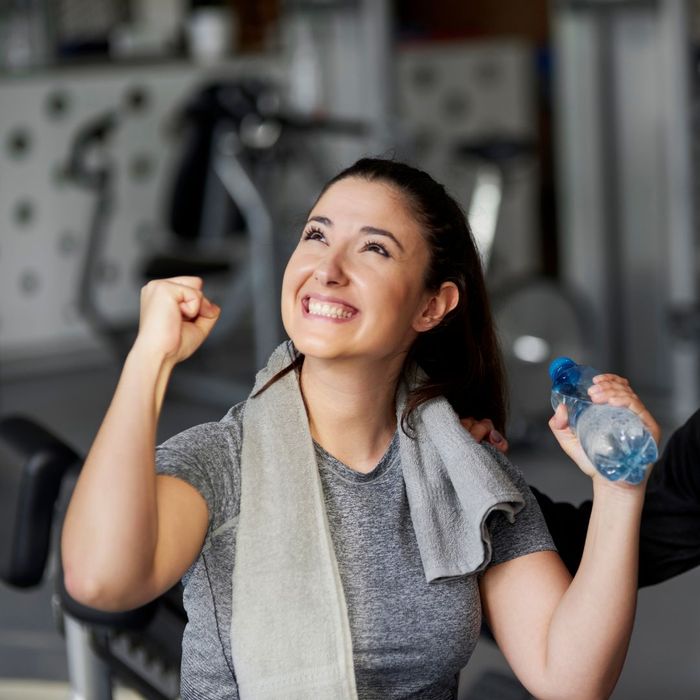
<point x="151" y="138"/>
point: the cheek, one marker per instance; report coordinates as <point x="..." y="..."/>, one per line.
<point x="293" y="273"/>
<point x="397" y="305"/>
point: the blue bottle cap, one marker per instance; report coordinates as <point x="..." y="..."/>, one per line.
<point x="558" y="364"/>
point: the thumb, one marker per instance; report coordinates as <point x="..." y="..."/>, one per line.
<point x="560" y="419"/>
<point x="208" y="316"/>
<point x="565" y="436"/>
<point x="209" y="309"/>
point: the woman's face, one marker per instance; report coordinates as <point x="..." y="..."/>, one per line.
<point x="353" y="287"/>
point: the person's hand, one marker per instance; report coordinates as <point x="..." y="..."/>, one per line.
<point x="610" y="389"/>
<point x="484" y="430"/>
<point x="176" y="317"/>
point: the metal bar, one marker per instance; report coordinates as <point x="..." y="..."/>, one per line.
<point x="245" y="194"/>
<point x="89" y="675"/>
<point x="606" y="5"/>
<point x="379" y="62"/>
<point x="677" y="134"/>
<point x="610" y="176"/>
<point x="582" y="221"/>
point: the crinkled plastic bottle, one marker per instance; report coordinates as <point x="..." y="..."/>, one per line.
<point x="613" y="437"/>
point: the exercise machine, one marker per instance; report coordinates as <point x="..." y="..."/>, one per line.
<point x="538" y="317"/>
<point x="139" y="648"/>
<point x="221" y="221"/>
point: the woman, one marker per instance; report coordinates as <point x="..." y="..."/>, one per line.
<point x="339" y="534"/>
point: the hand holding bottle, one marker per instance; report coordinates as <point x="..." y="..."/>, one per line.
<point x="176" y="318"/>
<point x="601" y="423"/>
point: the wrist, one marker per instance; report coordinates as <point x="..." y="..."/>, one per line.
<point x="618" y="492"/>
<point x="152" y="367"/>
<point x="147" y="357"/>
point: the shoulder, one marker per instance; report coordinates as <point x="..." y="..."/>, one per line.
<point x="208" y="456"/>
<point x="509" y="469"/>
<point x="528" y="532"/>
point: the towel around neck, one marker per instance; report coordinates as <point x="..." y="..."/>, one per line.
<point x="290" y="634"/>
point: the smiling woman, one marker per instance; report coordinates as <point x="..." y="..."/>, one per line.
<point x="400" y="244"/>
<point x="370" y="283"/>
<point x="339" y="534"/>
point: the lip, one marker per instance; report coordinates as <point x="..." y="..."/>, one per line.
<point x="328" y="300"/>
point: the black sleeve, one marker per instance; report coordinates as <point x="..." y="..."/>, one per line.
<point x="670" y="530"/>
<point x="670" y="537"/>
<point x="568" y="525"/>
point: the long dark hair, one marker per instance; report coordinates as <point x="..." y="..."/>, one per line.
<point x="461" y="356"/>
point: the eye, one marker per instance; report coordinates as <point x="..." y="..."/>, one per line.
<point x="313" y="234"/>
<point x="375" y="247"/>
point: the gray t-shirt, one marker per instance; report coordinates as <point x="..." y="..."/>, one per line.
<point x="410" y="638"/>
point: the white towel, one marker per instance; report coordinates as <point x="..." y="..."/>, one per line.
<point x="290" y="634"/>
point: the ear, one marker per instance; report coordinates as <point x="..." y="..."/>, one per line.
<point x="437" y="306"/>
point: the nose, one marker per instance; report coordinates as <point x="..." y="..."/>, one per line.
<point x="330" y="270"/>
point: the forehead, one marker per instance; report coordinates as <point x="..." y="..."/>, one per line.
<point x="356" y="201"/>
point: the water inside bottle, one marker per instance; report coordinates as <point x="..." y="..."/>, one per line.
<point x="617" y="442"/>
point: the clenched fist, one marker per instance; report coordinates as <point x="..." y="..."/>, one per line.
<point x="176" y="317"/>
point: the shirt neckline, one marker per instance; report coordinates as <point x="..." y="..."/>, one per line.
<point x="327" y="461"/>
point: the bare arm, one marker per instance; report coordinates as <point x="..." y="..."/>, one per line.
<point x="128" y="534"/>
<point x="568" y="638"/>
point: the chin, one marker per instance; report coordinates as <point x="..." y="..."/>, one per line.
<point x="312" y="344"/>
<point x="317" y="347"/>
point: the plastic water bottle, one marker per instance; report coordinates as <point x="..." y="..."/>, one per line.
<point x="613" y="437"/>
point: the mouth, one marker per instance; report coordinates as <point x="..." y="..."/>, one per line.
<point x="327" y="308"/>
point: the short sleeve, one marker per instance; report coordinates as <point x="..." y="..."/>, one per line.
<point x="207" y="456"/>
<point x="528" y="532"/>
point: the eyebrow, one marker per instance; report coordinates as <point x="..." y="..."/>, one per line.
<point x="373" y="230"/>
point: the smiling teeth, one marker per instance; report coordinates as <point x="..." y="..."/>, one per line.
<point x="319" y="309"/>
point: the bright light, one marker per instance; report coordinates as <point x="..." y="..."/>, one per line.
<point x="483" y="211"/>
<point x="530" y="348"/>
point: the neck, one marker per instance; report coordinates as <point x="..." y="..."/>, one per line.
<point x="351" y="408"/>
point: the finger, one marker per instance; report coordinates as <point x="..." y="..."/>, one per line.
<point x="613" y="393"/>
<point x="199" y="306"/>
<point x="209" y="309"/>
<point x="187" y="281"/>
<point x="171" y="288"/>
<point x="617" y="392"/>
<point x="565" y="436"/>
<point x="498" y="441"/>
<point x="630" y="400"/>
<point x="637" y="407"/>
<point x="479" y="431"/>
<point x="487" y="423"/>
<point x="560" y="419"/>
<point x="205" y="323"/>
<point x="484" y="429"/>
<point x="611" y="381"/>
<point x="604" y="392"/>
<point x="189" y="300"/>
<point x="608" y="377"/>
<point x="620" y="397"/>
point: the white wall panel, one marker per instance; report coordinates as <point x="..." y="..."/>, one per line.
<point x="41" y="255"/>
<point x="466" y="91"/>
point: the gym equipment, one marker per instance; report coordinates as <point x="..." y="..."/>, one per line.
<point x="199" y="220"/>
<point x="537" y="317"/>
<point x="140" y="648"/>
<point x="235" y="134"/>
